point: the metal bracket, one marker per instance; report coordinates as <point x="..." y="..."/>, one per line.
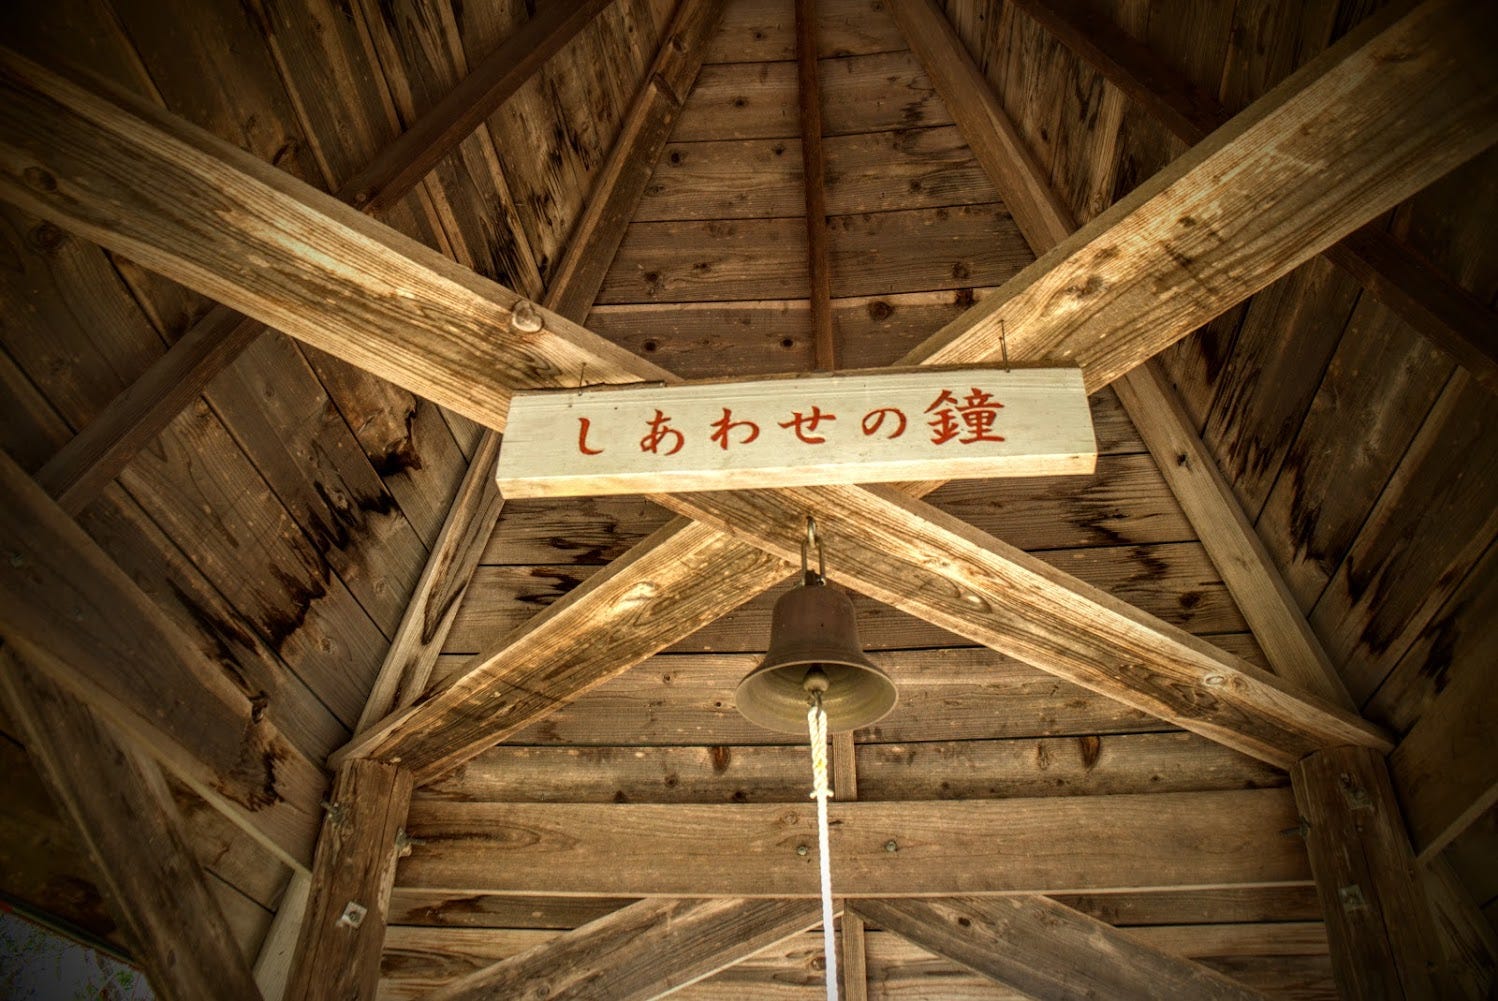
<point x="353" y="915"/>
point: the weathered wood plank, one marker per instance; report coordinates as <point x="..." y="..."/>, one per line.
<point x="814" y="184"/>
<point x="1243" y="905"/>
<point x="762" y="31"/>
<point x="930" y="770"/>
<point x="643" y="951"/>
<point x="273" y="961"/>
<point x="69" y="607"/>
<point x="123" y="810"/>
<point x="994" y="847"/>
<point x="338" y="951"/>
<point x="1045" y="949"/>
<point x="1378" y="922"/>
<point x="930" y="565"/>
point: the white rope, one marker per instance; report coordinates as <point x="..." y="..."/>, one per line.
<point x="816" y="721"/>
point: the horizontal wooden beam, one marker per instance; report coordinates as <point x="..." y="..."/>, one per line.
<point x="1047" y="950"/>
<point x="125" y="815"/>
<point x="1044" y="845"/>
<point x="1420" y="294"/>
<point x="68" y="608"/>
<point x="646" y="950"/>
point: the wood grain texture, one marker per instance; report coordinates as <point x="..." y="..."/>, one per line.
<point x="71" y="609"/>
<point x="399" y="167"/>
<point x="930" y="565"/>
<point x="273" y="961"/>
<point x="1047" y="950"/>
<point x="1042" y="845"/>
<point x="1420" y="294"/>
<point x="643" y="951"/>
<point x="1379" y="925"/>
<point x="121" y="807"/>
<point x="542" y="663"/>
<point x="814" y="184"/>
<point x="337" y="955"/>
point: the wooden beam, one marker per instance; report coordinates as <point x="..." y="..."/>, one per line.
<point x="1047" y="950"/>
<point x="68" y="608"/>
<point x="1272" y="613"/>
<point x="919" y="559"/>
<point x="1450" y="316"/>
<point x="95" y="456"/>
<point x="852" y="953"/>
<point x="77" y="474"/>
<point x="338" y="953"/>
<point x="124" y="813"/>
<point x="647" y="599"/>
<point x="621" y="183"/>
<point x="647" y="950"/>
<point x="401" y="165"/>
<point x="1378" y="923"/>
<point x="1041" y="845"/>
<point x="273" y="963"/>
<point x="464" y="348"/>
<point x="814" y="172"/>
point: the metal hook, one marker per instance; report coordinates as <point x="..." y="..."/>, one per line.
<point x="812" y="539"/>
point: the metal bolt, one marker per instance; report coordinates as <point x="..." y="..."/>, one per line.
<point x="803" y="851"/>
<point x="891" y="845"/>
<point x="353" y="915"/>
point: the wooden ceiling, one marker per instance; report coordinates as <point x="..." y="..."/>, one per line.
<point x="242" y="562"/>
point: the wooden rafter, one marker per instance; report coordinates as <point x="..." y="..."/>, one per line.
<point x="122" y="809"/>
<point x="1430" y="302"/>
<point x="95" y="456"/>
<point x="68" y="609"/>
<point x="1079" y="300"/>
<point x="814" y="170"/>
<point x="1021" y="845"/>
<point x="647" y="950"/>
<point x="1207" y="499"/>
<point x="475" y="509"/>
<point x="338" y="952"/>
<point x="1044" y="949"/>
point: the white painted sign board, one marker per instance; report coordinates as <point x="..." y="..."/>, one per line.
<point x="857" y="428"/>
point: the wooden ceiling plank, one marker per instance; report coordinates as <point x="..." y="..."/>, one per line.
<point x="647" y="950"/>
<point x="1047" y="950"/>
<point x="338" y="952"/>
<point x="70" y="609"/>
<point x="402" y="165"/>
<point x="1204" y="494"/>
<point x="814" y="179"/>
<point x="1046" y="844"/>
<point x="121" y="807"/>
<point x="1419" y="293"/>
<point x="1379" y="924"/>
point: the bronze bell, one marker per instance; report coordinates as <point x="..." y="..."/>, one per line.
<point x="813" y="632"/>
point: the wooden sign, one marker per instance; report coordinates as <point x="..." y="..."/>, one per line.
<point x="857" y="428"/>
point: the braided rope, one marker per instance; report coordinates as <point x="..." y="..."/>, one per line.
<point x="816" y="722"/>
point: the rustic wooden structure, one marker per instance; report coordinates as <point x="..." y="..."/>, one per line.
<point x="295" y="704"/>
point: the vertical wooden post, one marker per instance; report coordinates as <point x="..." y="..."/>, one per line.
<point x="814" y="168"/>
<point x="853" y="957"/>
<point x="1378" y="924"/>
<point x="338" y="954"/>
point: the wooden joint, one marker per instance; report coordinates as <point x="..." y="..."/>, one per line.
<point x="664" y="88"/>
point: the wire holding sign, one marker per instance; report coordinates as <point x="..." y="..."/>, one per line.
<point x="851" y="428"/>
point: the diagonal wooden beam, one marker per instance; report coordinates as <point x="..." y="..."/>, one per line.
<point x="647" y="950"/>
<point x="595" y="239"/>
<point x="95" y="456"/>
<point x="122" y="809"/>
<point x="1204" y="494"/>
<point x="1241" y="209"/>
<point x="1046" y="950"/>
<point x="1450" y="316"/>
<point x="67" y="608"/>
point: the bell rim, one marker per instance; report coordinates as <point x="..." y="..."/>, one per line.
<point x="765" y="718"/>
